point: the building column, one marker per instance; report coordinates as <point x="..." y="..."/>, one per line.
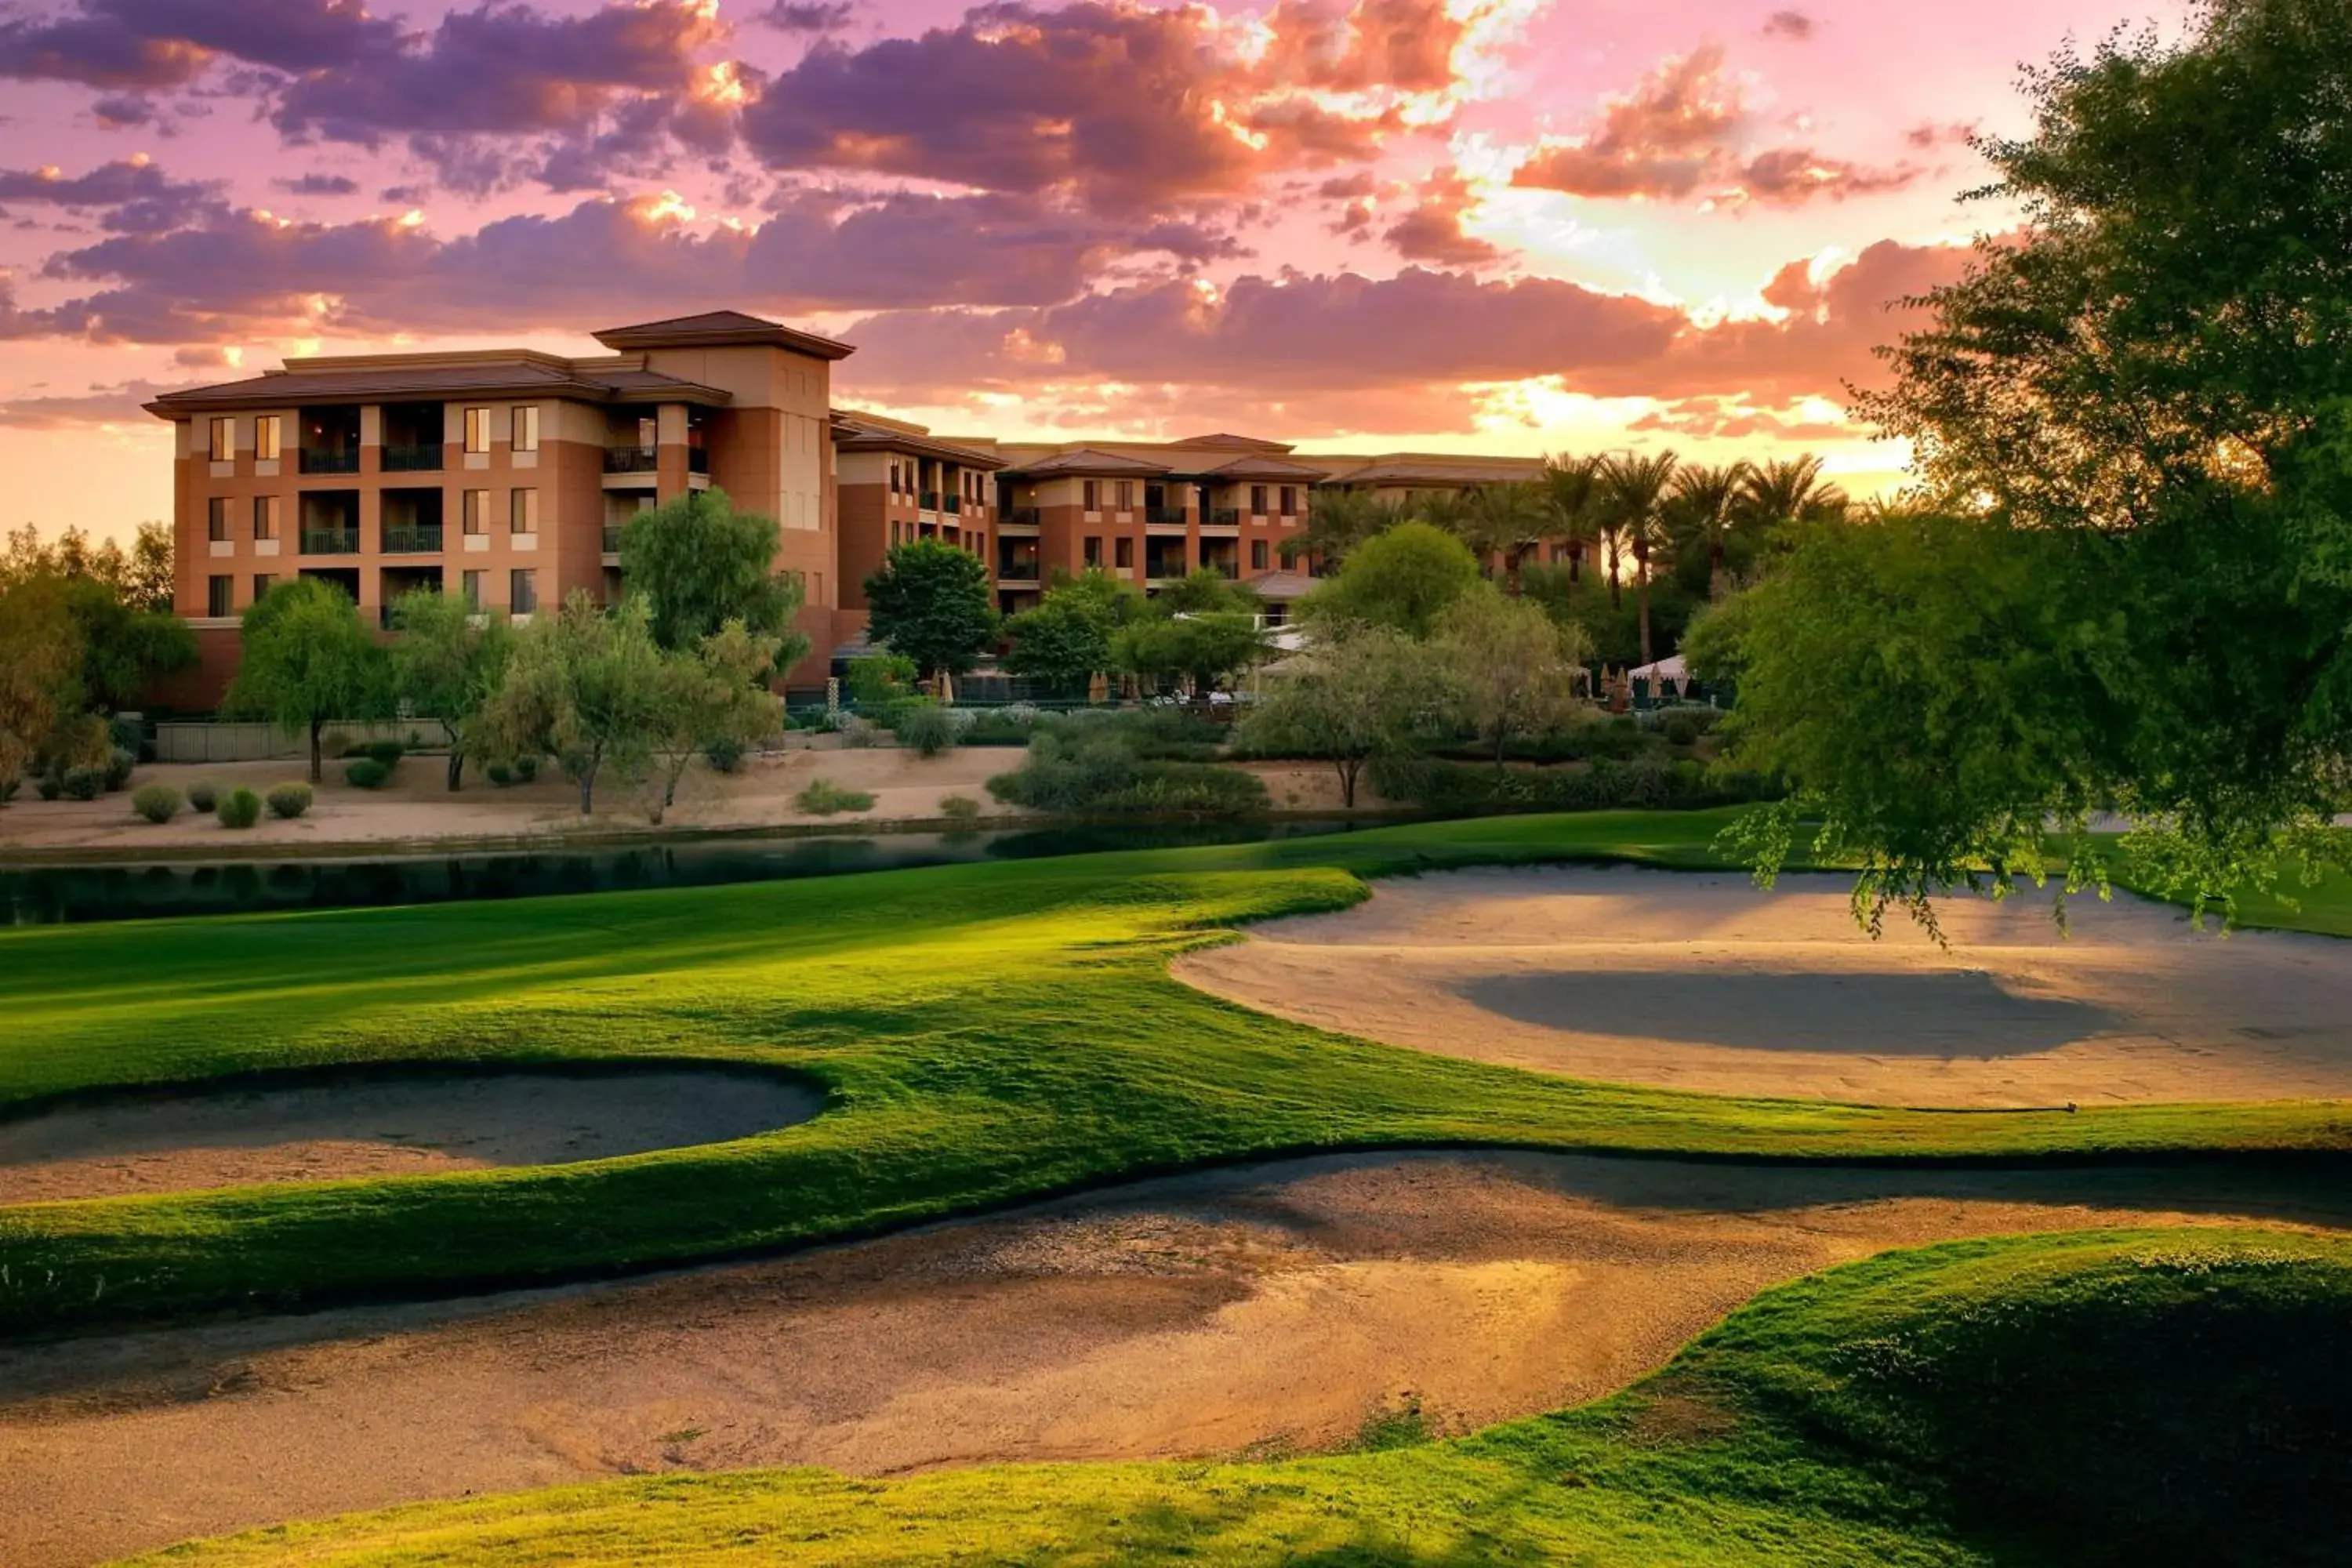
<point x="669" y="453"/>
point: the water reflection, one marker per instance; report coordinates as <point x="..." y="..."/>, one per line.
<point x="69" y="894"/>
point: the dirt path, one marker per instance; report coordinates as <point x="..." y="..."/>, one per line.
<point x="1703" y="981"/>
<point x="1269" y="1309"/>
<point x="383" y="1127"/>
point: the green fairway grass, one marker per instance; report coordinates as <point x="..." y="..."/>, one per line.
<point x="985" y="1033"/>
<point x="2117" y="1397"/>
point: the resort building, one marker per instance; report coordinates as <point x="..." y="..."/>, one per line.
<point x="506" y="475"/>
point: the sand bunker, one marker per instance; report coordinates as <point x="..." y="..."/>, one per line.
<point x="1704" y="981"/>
<point x="1266" y="1310"/>
<point x="379" y="1126"/>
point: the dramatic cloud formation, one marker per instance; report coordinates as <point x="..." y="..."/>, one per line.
<point x="1680" y="135"/>
<point x="165" y="43"/>
<point x="1432" y="230"/>
<point x="134" y="195"/>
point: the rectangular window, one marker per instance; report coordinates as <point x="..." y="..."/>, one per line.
<point x="1290" y="501"/>
<point x="261" y="581"/>
<point x="1257" y="500"/>
<point x="477" y="511"/>
<point x="264" y="516"/>
<point x="1257" y="554"/>
<point x="1093" y="548"/>
<point x="522" y="511"/>
<point x="220" y="593"/>
<point x="478" y="429"/>
<point x="522" y="590"/>
<point x="1124" y="549"/>
<point x="471" y="585"/>
<point x="223" y="440"/>
<point x="1126" y="494"/>
<point x="1093" y="494"/>
<point x="264" y="437"/>
<point x="216" y="519"/>
<point x="526" y="427"/>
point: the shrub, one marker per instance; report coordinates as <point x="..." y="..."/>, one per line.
<point x="290" y="800"/>
<point x="858" y="732"/>
<point x="825" y="798"/>
<point x="1470" y="789"/>
<point x="83" y="784"/>
<point x="960" y="810"/>
<point x="119" y="763"/>
<point x="388" y="753"/>
<point x="366" y="773"/>
<point x="128" y="735"/>
<point x="157" y="803"/>
<point x="335" y="743"/>
<point x="48" y="786"/>
<point x="239" y="808"/>
<point x="725" y="754"/>
<point x="1011" y="725"/>
<point x="926" y="728"/>
<point x="8" y="788"/>
<point x="499" y="775"/>
<point x="525" y="769"/>
<point x="1099" y="768"/>
<point x="200" y="795"/>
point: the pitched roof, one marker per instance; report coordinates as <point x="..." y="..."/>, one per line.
<point x="851" y="434"/>
<point x="1417" y="470"/>
<point x="720" y="329"/>
<point x="373" y="381"/>
<point x="1283" y="586"/>
<point x="1226" y="438"/>
<point x="1255" y="466"/>
<point x="1087" y="461"/>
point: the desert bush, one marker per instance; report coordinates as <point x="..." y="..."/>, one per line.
<point x="725" y="754"/>
<point x="499" y="775"/>
<point x="157" y="803"/>
<point x="1101" y="767"/>
<point x="825" y="798"/>
<point x="239" y="808"/>
<point x="525" y="769"/>
<point x="388" y="753"/>
<point x="201" y="795"/>
<point x="856" y="732"/>
<point x="119" y="763"/>
<point x="926" y="728"/>
<point x="1011" y="725"/>
<point x="336" y="743"/>
<point x="366" y="773"/>
<point x="290" y="800"/>
<point x="960" y="810"/>
<point x="84" y="783"/>
<point x="1469" y="789"/>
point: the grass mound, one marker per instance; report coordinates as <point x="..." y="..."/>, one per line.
<point x="2129" y="1397"/>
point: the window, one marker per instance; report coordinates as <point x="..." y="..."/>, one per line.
<point x="525" y="434"/>
<point x="265" y="517"/>
<point x="216" y="520"/>
<point x="522" y="511"/>
<point x="1257" y="500"/>
<point x="1290" y="501"/>
<point x="1093" y="494"/>
<point x="1126" y="495"/>
<point x="1257" y="554"/>
<point x="522" y="590"/>
<point x="478" y="429"/>
<point x="471" y="585"/>
<point x="1093" y="548"/>
<point x="223" y="440"/>
<point x="477" y="511"/>
<point x="264" y="437"/>
<point x="1126" y="551"/>
<point x="261" y="581"/>
<point x="220" y="593"/>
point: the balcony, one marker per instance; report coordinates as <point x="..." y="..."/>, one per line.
<point x="415" y="458"/>
<point x="1023" y="516"/>
<point x="330" y="460"/>
<point x="1163" y="517"/>
<point x="613" y="538"/>
<point x="630" y="459"/>
<point x="952" y="506"/>
<point x="331" y="542"/>
<point x="928" y="501"/>
<point x="698" y="460"/>
<point x="1016" y="572"/>
<point x="414" y="539"/>
<point x="1226" y="517"/>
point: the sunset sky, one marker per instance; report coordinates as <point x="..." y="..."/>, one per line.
<point x="1495" y="225"/>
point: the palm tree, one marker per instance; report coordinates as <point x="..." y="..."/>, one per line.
<point x="1501" y="520"/>
<point x="1572" y="493"/>
<point x="1339" y="519"/>
<point x="1785" y="491"/>
<point x="1633" y="492"/>
<point x="1704" y="499"/>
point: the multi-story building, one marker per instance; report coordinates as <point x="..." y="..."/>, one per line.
<point x="506" y="475"/>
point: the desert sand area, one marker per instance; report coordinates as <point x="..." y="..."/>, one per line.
<point x="382" y="1127"/>
<point x="1266" y="1310"/>
<point x="1705" y="981"/>
<point x="416" y="808"/>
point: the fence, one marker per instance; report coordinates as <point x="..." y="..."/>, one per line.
<point x="262" y="742"/>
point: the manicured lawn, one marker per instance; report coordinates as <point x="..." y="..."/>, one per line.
<point x="986" y="1034"/>
<point x="2121" y="1397"/>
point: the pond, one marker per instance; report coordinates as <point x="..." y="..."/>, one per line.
<point x="54" y="895"/>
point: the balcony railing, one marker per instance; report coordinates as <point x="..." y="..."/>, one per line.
<point x="613" y="538"/>
<point x="928" y="501"/>
<point x="1163" y="517"/>
<point x="330" y="460"/>
<point x="1017" y="570"/>
<point x="412" y="458"/>
<point x="698" y="460"/>
<point x="952" y="506"/>
<point x="414" y="539"/>
<point x="1226" y="517"/>
<point x="630" y="459"/>
<point x="1022" y="517"/>
<point x="331" y="542"/>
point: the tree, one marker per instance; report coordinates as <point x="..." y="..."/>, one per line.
<point x="1196" y="649"/>
<point x="1781" y="494"/>
<point x="1205" y="590"/>
<point x="1571" y="497"/>
<point x="586" y="688"/>
<point x="307" y="658"/>
<point x="1509" y="672"/>
<point x="123" y="634"/>
<point x="931" y="602"/>
<point x="1065" y="640"/>
<point x="1401" y="578"/>
<point x="710" y="695"/>
<point x="698" y="562"/>
<point x="447" y="662"/>
<point x="1351" y="698"/>
<point x="37" y="659"/>
<point x="1633" y="492"/>
<point x="1704" y="502"/>
<point x="1505" y="519"/>
<point x="1338" y="520"/>
<point x="2131" y="411"/>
